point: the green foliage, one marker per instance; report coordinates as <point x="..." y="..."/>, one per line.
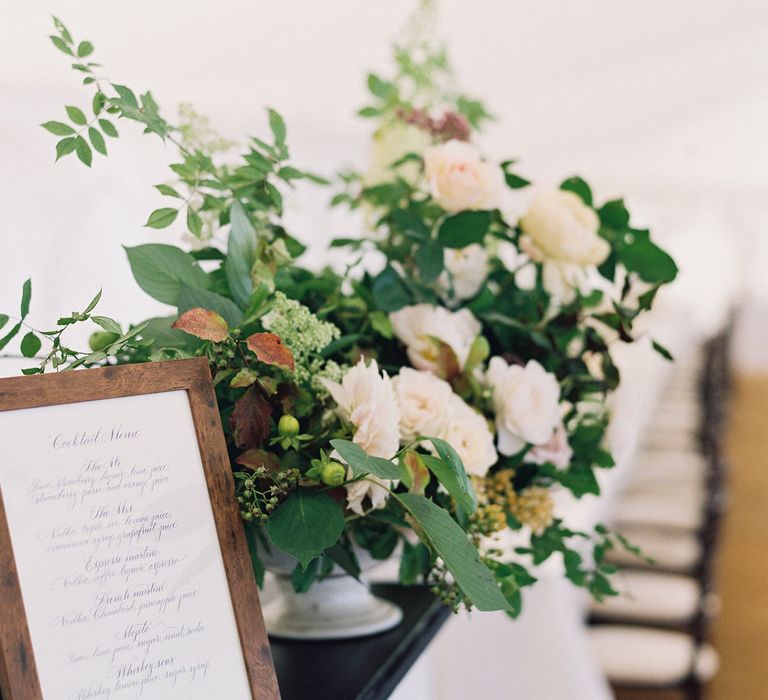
<point x="461" y="557"/>
<point x="306" y="524"/>
<point x="362" y="463"/>
<point x="160" y="270"/>
<point x="463" y="229"/>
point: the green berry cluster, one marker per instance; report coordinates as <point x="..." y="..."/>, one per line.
<point x="261" y="491"/>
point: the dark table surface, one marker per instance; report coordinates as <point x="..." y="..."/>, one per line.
<point x="368" y="668"/>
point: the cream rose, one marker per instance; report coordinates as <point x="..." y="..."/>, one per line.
<point x="465" y="271"/>
<point x="423" y="399"/>
<point x="366" y="399"/>
<point x="526" y="403"/>
<point x="459" y="179"/>
<point x="419" y="326"/>
<point x="559" y="226"/>
<point x="467" y="432"/>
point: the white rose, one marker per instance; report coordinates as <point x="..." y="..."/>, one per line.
<point x="419" y="326"/>
<point x="366" y="399"/>
<point x="390" y="144"/>
<point x="526" y="403"/>
<point x="561" y="227"/>
<point x="423" y="399"/>
<point x="556" y="450"/>
<point x="465" y="271"/>
<point x="467" y="432"/>
<point x="459" y="179"/>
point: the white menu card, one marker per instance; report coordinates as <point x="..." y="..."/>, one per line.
<point x="116" y="548"/>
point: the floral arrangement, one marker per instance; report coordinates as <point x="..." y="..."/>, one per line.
<point x="431" y="398"/>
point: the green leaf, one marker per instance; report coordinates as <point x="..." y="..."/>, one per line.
<point x="30" y="344"/>
<point x="578" y="186"/>
<point x="361" y="463"/>
<point x="514" y="182"/>
<point x="58" y="128"/>
<point x="168" y="191"/>
<point x="345" y="557"/>
<point x="658" y="347"/>
<point x="429" y="258"/>
<point x="126" y="95"/>
<point x="614" y="214"/>
<point x="83" y="150"/>
<point x="26" y="298"/>
<point x="159" y="329"/>
<point x="84" y="48"/>
<point x="99" y="100"/>
<point x="454" y="478"/>
<point x="76" y="115"/>
<point x="460" y="556"/>
<point x="378" y="87"/>
<point x="194" y="222"/>
<point x="92" y="303"/>
<point x="242" y="246"/>
<point x="65" y="146"/>
<point x="4" y="318"/>
<point x="389" y="293"/>
<point x="108" y="128"/>
<point x="162" y="218"/>
<point x="97" y="140"/>
<point x="306" y="524"/>
<point x="381" y="324"/>
<point x="413" y="561"/>
<point x="277" y="125"/>
<point x="107" y="324"/>
<point x="368" y="112"/>
<point x="10" y="335"/>
<point x="160" y="269"/>
<point x="60" y="44"/>
<point x="193" y="298"/>
<point x="302" y="578"/>
<point x="464" y="228"/>
<point x="641" y="255"/>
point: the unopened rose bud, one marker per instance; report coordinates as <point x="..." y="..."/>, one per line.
<point x="288" y="426"/>
<point x="333" y="474"/>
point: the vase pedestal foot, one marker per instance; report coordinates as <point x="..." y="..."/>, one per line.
<point x="338" y="607"/>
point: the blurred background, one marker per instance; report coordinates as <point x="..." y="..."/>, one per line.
<point x="663" y="103"/>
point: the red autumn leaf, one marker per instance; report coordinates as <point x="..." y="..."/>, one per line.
<point x="255" y="459"/>
<point x="249" y="421"/>
<point x="204" y="324"/>
<point x="269" y="348"/>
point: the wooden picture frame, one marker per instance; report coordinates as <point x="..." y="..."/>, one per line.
<point x="19" y="678"/>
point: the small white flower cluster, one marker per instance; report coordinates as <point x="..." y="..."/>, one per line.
<point x="301" y="331"/>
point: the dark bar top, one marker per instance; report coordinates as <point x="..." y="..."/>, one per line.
<point x="367" y="668"/>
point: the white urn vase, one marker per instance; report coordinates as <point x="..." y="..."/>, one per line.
<point x="336" y="607"/>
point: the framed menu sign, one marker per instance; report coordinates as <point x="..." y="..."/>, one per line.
<point x="124" y="571"/>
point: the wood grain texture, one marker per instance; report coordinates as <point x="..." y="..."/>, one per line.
<point x="18" y="674"/>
